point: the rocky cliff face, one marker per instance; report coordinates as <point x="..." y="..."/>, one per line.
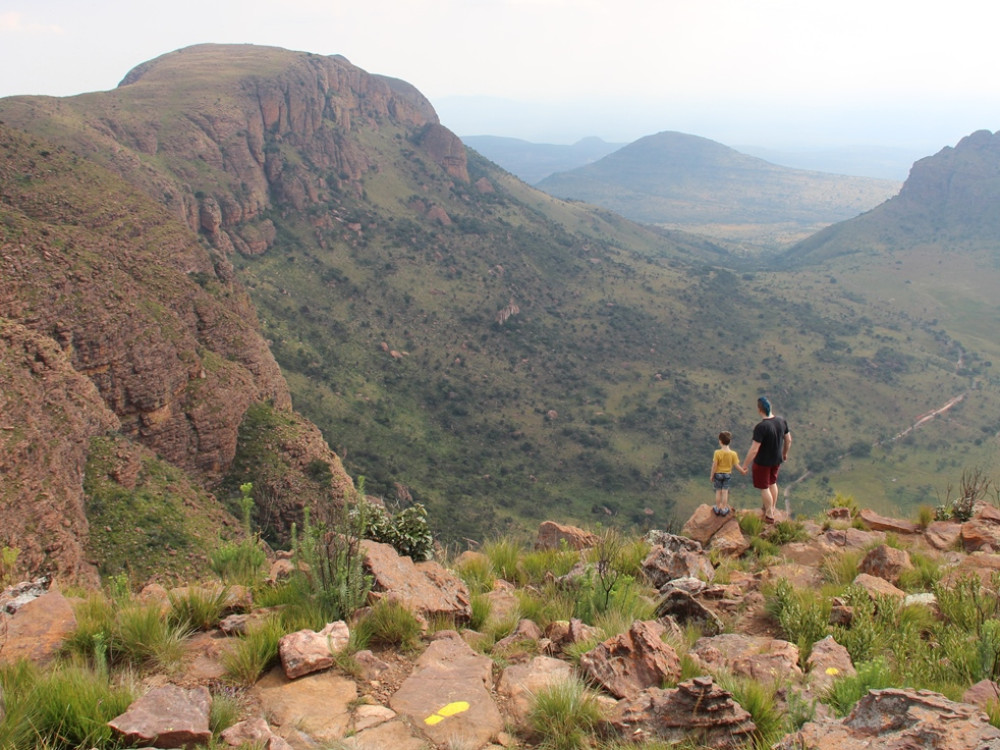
<point x="119" y="317"/>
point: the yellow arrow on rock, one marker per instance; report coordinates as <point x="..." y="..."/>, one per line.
<point x="443" y="713"/>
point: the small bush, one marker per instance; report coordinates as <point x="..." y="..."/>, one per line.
<point x="240" y="562"/>
<point x="407" y="531"/>
<point x="784" y="532"/>
<point x="565" y="716"/>
<point x="760" y="701"/>
<point x="803" y="615"/>
<point x="845" y="692"/>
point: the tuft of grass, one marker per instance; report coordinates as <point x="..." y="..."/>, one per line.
<point x="198" y="608"/>
<point x="565" y="716"/>
<point x="504" y="555"/>
<point x="254" y="653"/>
<point x="67" y="706"/>
<point x="224" y="711"/>
<point x="804" y="615"/>
<point x="751" y="524"/>
<point x="785" y="532"/>
<point x="481" y="609"/>
<point x="760" y="701"/>
<point x="537" y="565"/>
<point x="477" y="573"/>
<point x="143" y="637"/>
<point x="841" y="568"/>
<point x="390" y="623"/>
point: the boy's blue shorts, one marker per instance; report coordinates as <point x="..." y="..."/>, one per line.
<point x="721" y="481"/>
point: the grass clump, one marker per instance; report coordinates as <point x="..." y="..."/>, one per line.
<point x="803" y="615"/>
<point x="759" y="699"/>
<point x="198" y="608"/>
<point x="565" y="716"/>
<point x="504" y="555"/>
<point x="390" y="623"/>
<point x="254" y="653"/>
<point x="68" y="706"/>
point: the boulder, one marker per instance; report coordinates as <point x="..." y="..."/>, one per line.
<point x="979" y="534"/>
<point x="686" y="610"/>
<point x="729" y="540"/>
<point x="678" y="558"/>
<point x="519" y="683"/>
<point x="827" y="662"/>
<point x="551" y="535"/>
<point x="426" y="589"/>
<point x="630" y="662"/>
<point x="853" y="539"/>
<point x="874" y="521"/>
<point x="256" y="732"/>
<point x="168" y="716"/>
<point x="316" y="706"/>
<point x="38" y="626"/>
<point x="886" y="562"/>
<point x="307" y="651"/>
<point x="902" y="719"/>
<point x="697" y="707"/>
<point x="703" y="524"/>
<point x="766" y="660"/>
<point x="982" y="694"/>
<point x="877" y="587"/>
<point x="943" y="535"/>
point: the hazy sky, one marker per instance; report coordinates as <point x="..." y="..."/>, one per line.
<point x="777" y="73"/>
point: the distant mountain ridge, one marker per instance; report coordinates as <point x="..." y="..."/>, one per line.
<point x="687" y="182"/>
<point x="533" y="162"/>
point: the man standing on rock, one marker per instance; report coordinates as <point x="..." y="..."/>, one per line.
<point x="771" y="441"/>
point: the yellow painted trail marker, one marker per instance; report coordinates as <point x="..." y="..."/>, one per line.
<point x="443" y="713"/>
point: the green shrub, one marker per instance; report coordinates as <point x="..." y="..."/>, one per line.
<point x="751" y="524"/>
<point x="846" y="691"/>
<point x="565" y="716"/>
<point x="331" y="550"/>
<point x="407" y="531"/>
<point x="841" y="568"/>
<point x="784" y="532"/>
<point x="240" y="562"/>
<point x="803" y="615"/>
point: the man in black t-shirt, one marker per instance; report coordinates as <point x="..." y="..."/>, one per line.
<point x="771" y="441"/>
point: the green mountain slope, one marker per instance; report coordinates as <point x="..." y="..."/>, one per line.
<point x="687" y="182"/>
<point x="469" y="342"/>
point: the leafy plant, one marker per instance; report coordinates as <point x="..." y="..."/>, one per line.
<point x="407" y="531"/>
<point x="846" y="691"/>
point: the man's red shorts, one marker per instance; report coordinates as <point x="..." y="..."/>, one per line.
<point x="764" y="476"/>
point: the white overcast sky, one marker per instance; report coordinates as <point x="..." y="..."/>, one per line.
<point x="778" y="73"/>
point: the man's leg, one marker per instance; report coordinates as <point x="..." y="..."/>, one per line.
<point x="765" y="502"/>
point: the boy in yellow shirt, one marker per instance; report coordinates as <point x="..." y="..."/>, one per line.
<point x="723" y="462"/>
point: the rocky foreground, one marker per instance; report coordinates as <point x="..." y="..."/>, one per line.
<point x="452" y="695"/>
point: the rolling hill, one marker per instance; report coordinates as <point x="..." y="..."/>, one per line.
<point x="533" y="162"/>
<point x="687" y="182"/>
<point x="459" y="338"/>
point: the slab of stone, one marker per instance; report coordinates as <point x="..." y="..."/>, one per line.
<point x="828" y="661"/>
<point x="37" y="628"/>
<point x="448" y="693"/>
<point x="943" y="535"/>
<point x="426" y="589"/>
<point x="874" y="521"/>
<point x="765" y="660"/>
<point x="552" y="535"/>
<point x="391" y="735"/>
<point x="167" y="716"/>
<point x="317" y="705"/>
<point x="704" y="524"/>
<point x="307" y="651"/>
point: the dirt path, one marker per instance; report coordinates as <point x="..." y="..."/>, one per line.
<point x="921" y="420"/>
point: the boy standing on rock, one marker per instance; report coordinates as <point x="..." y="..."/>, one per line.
<point x="723" y="462"/>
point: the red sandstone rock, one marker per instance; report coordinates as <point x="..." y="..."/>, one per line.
<point x="630" y="662"/>
<point x="886" y="562"/>
<point x="551" y="535"/>
<point x="167" y="716"/>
